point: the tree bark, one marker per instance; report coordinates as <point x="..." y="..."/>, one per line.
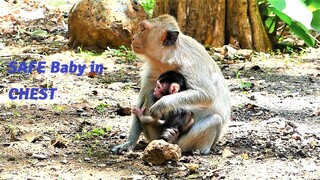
<point x="200" y="19"/>
<point x="219" y="22"/>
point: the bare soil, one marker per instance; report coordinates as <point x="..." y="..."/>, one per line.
<point x="274" y="132"/>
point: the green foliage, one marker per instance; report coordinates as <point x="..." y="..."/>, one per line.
<point x="2" y="69"/>
<point x="299" y="15"/>
<point x="245" y="85"/>
<point x="40" y="33"/>
<point x="58" y="108"/>
<point x="122" y="51"/>
<point x="148" y="6"/>
<point x="87" y="55"/>
<point x="237" y="73"/>
<point x="102" y="107"/>
<point x="57" y="3"/>
<point x="96" y="132"/>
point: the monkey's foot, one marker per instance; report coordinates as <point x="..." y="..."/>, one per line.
<point x="127" y="146"/>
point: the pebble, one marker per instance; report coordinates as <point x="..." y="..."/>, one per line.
<point x="101" y="165"/>
<point x="40" y="156"/>
<point x="296" y="136"/>
<point x="122" y="136"/>
<point x="79" y="111"/>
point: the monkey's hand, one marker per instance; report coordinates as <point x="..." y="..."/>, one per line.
<point x="127" y="146"/>
<point x="138" y="112"/>
<point x="170" y="135"/>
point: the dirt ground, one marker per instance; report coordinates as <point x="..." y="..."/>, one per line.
<point x="274" y="132"/>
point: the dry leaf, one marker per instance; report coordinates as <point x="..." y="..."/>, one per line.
<point x="245" y="156"/>
<point x="31" y="136"/>
<point x="227" y="153"/>
<point x="59" y="142"/>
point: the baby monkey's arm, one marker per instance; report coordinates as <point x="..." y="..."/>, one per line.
<point x="146" y="119"/>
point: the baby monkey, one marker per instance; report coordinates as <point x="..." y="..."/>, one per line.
<point x="175" y="123"/>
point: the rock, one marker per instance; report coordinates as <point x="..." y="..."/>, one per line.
<point x="133" y="155"/>
<point x="317" y="112"/>
<point x="292" y="124"/>
<point x="101" y="165"/>
<point x="11" y="158"/>
<point x="122" y="136"/>
<point x="59" y="142"/>
<point x="132" y="177"/>
<point x="192" y="168"/>
<point x="79" y="110"/>
<point x="102" y="23"/>
<point x="296" y="136"/>
<point x="159" y="152"/>
<point x="40" y="156"/>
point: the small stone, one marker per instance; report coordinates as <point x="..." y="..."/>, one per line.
<point x="11" y="158"/>
<point x="87" y="159"/>
<point x="296" y="136"/>
<point x="38" y="116"/>
<point x="123" y="136"/>
<point x="40" y="156"/>
<point x="192" y="168"/>
<point x="79" y="111"/>
<point x="292" y="124"/>
<point x="132" y="177"/>
<point x="101" y="165"/>
<point x="42" y="109"/>
<point x="64" y="161"/>
<point x="133" y="155"/>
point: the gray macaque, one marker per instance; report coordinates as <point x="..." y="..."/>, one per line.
<point x="164" y="47"/>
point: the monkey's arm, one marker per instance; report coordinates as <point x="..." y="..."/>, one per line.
<point x="151" y="120"/>
<point x="189" y="100"/>
<point x="136" y="129"/>
<point x="146" y="119"/>
<point x="134" y="134"/>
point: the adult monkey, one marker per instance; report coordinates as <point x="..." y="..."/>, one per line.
<point x="164" y="47"/>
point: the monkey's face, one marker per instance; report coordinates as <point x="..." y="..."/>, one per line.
<point x="147" y="39"/>
<point x="153" y="38"/>
<point x="160" y="90"/>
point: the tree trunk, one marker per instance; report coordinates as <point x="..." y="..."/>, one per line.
<point x="220" y="22"/>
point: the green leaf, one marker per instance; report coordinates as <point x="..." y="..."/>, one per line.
<point x="295" y="9"/>
<point x="270" y="24"/>
<point x="313" y="4"/>
<point x="40" y="33"/>
<point x="282" y="16"/>
<point x="300" y="31"/>
<point x="278" y="4"/>
<point x="315" y="23"/>
<point x="298" y="28"/>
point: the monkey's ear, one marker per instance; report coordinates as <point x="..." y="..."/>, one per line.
<point x="171" y="38"/>
<point x="174" y="88"/>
